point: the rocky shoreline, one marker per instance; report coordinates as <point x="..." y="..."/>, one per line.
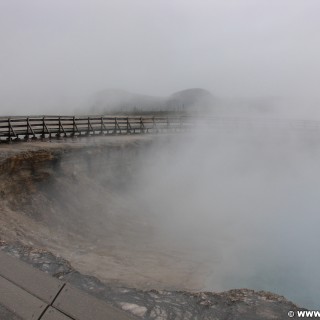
<point x="159" y="304"/>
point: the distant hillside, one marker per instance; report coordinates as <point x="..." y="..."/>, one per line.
<point x="191" y="100"/>
<point x="116" y="100"/>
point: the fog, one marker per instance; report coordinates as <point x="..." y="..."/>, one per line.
<point x="56" y="54"/>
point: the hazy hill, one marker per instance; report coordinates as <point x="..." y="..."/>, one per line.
<point x="116" y="100"/>
<point x="191" y="99"/>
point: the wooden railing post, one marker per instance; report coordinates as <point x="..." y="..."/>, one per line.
<point x="73" y="126"/>
<point x="27" y="135"/>
<point x="141" y="126"/>
<point x="59" y="125"/>
<point x="9" y="130"/>
<point x="155" y="129"/>
<point x="43" y="135"/>
<point x="127" y="125"/>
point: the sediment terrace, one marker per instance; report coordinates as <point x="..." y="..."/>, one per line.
<point x="74" y="200"/>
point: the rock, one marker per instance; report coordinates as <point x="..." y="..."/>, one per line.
<point x="236" y="304"/>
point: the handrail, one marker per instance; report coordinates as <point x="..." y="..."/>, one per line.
<point x="48" y="127"/>
<point x="26" y="128"/>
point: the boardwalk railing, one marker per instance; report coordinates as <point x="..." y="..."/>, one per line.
<point x="49" y="127"/>
<point x="16" y="128"/>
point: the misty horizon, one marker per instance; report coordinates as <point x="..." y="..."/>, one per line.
<point x="55" y="55"/>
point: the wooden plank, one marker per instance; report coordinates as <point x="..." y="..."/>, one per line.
<point x="20" y="302"/>
<point x="81" y="306"/>
<point x="54" y="314"/>
<point x="28" y="278"/>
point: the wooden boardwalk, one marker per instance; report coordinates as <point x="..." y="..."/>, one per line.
<point x="51" y="127"/>
<point x="25" y="128"/>
<point x="29" y="294"/>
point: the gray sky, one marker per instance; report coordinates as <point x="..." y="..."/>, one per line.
<point x="54" y="53"/>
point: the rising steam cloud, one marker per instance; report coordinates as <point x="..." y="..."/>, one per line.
<point x="244" y="202"/>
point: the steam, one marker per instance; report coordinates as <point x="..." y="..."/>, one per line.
<point x="243" y="202"/>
